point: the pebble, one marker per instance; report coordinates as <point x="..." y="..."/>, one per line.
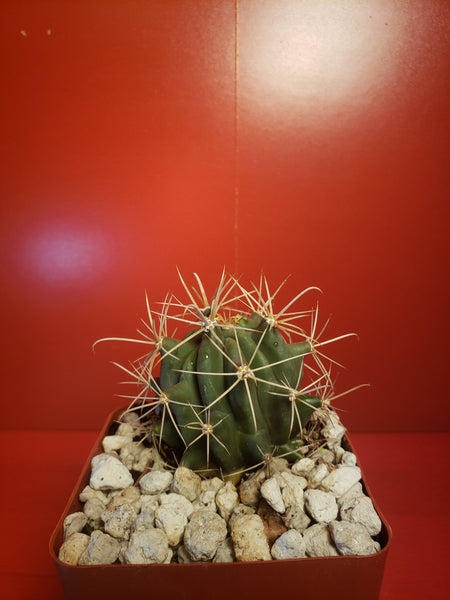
<point x="89" y="492"/>
<point x="289" y="545"/>
<point x="333" y="430"/>
<point x="73" y="547"/>
<point x="361" y="510"/>
<point x="74" y="523"/>
<point x="321" y="506"/>
<point x="206" y="500"/>
<point x="354" y="492"/>
<point x="146" y="458"/>
<point x="303" y="466"/>
<point x="114" y="442"/>
<point x="147" y="547"/>
<point x="203" y="534"/>
<point x="150" y="503"/>
<point x="127" y="430"/>
<point x="239" y="510"/>
<point x="130" y="495"/>
<point x="102" y="549"/>
<point x="187" y="483"/>
<point x="318" y="541"/>
<point x="290" y="479"/>
<point x="352" y="538"/>
<point x="271" y="492"/>
<point x="249" y="539"/>
<point x="293" y="496"/>
<point x="323" y="455"/>
<point x="296" y="518"/>
<point x="315" y="508"/>
<point x="176" y="502"/>
<point x="249" y="489"/>
<point x="348" y="458"/>
<point x="172" y="519"/>
<point x="226" y="499"/>
<point x="119" y="520"/>
<point x="93" y="509"/>
<point x="137" y="457"/>
<point x="144" y="520"/>
<point x="109" y="473"/>
<point x="224" y="552"/>
<point x="183" y="555"/>
<point x="340" y="480"/>
<point x="317" y="474"/>
<point x="155" y="482"/>
<point x="214" y="484"/>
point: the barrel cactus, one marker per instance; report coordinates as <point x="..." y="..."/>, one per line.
<point x="229" y="391"/>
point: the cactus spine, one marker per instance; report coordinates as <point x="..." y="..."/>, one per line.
<point x="230" y="391"/>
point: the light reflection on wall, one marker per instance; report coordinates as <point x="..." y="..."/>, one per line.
<point x="321" y="58"/>
<point x="64" y="254"/>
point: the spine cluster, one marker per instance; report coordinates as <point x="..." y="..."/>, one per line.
<point x="230" y="391"/>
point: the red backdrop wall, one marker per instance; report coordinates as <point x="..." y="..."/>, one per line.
<point x="300" y="137"/>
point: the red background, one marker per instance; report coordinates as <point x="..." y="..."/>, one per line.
<point x="303" y="138"/>
<point x="299" y="138"/>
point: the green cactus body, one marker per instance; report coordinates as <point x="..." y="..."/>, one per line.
<point x="231" y="393"/>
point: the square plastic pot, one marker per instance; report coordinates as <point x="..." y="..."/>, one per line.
<point x="337" y="577"/>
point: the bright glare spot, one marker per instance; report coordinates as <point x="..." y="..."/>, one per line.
<point x="325" y="60"/>
<point x="65" y="254"/>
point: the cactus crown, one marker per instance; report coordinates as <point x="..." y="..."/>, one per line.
<point x="230" y="391"/>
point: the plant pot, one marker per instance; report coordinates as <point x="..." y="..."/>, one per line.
<point x="337" y="577"/>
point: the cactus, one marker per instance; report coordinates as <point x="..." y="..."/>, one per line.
<point x="230" y="390"/>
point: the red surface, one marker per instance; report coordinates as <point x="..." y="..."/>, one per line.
<point x="304" y="137"/>
<point x="406" y="474"/>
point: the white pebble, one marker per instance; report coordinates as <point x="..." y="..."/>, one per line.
<point x="348" y="458"/>
<point x="93" y="508"/>
<point x="155" y="482"/>
<point x="130" y="495"/>
<point x="354" y="492"/>
<point x="214" y="484"/>
<point x="340" y="480"/>
<point x="187" y="483"/>
<point x="352" y="538"/>
<point x="147" y="547"/>
<point x="321" y="505"/>
<point x="361" y="510"/>
<point x="318" y="541"/>
<point x="289" y="545"/>
<point x="296" y="518"/>
<point x="177" y="502"/>
<point x="226" y="499"/>
<point x="89" y="492"/>
<point x="224" y="552"/>
<point x="114" y="442"/>
<point x="270" y="491"/>
<point x="119" y="521"/>
<point x="172" y="516"/>
<point x="203" y="534"/>
<point x="74" y="523"/>
<point x="249" y="539"/>
<point x="317" y="474"/>
<point x="73" y="548"/>
<point x="172" y="522"/>
<point x="303" y="466"/>
<point x="333" y="431"/>
<point x="102" y="549"/>
<point x="145" y="520"/>
<point x="109" y="473"/>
